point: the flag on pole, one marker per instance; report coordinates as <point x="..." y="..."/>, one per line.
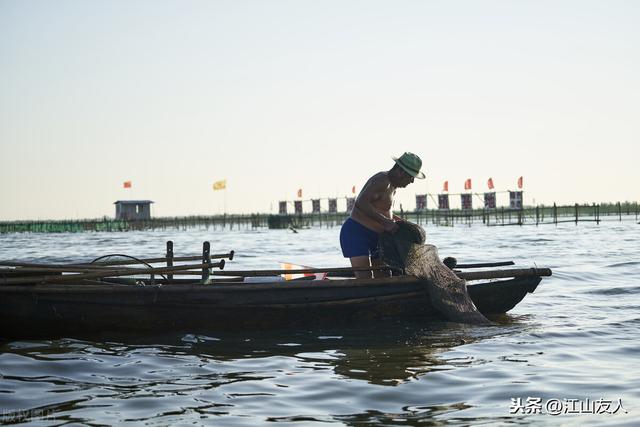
<point x="353" y="190"/>
<point x="467" y="184"/>
<point x="490" y="183"/>
<point x="126" y="184"/>
<point x="291" y="276"/>
<point x="520" y="182"/>
<point x="445" y="186"/>
<point x="299" y="192"/>
<point x="220" y="185"/>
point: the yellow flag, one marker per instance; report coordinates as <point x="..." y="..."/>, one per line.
<point x="220" y="185"/>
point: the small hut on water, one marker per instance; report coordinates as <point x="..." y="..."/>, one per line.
<point x="132" y="210"/>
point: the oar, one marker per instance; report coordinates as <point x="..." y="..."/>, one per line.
<point x="485" y="264"/>
<point x="110" y="273"/>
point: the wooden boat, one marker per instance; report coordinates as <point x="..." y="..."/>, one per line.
<point x="96" y="306"/>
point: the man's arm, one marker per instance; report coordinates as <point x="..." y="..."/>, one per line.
<point x="372" y="192"/>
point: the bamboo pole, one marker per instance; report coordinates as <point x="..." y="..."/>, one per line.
<point x="502" y="274"/>
<point x="109" y="273"/>
<point x="52" y="269"/>
<point x="45" y="266"/>
<point x="228" y="255"/>
<point x="31" y="271"/>
<point x="100" y="265"/>
<point x="486" y="264"/>
<point x="252" y="273"/>
<point x="474" y="275"/>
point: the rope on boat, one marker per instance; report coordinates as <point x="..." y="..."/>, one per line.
<point x="127" y="256"/>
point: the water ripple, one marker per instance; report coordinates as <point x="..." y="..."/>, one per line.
<point x="575" y="337"/>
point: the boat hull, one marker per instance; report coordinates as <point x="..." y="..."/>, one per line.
<point x="50" y="310"/>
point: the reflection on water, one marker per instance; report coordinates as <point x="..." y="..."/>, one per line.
<point x="166" y="377"/>
<point x="575" y="337"/>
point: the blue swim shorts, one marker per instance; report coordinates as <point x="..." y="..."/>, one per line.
<point x="358" y="240"/>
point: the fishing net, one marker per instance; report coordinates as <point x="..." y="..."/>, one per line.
<point x="405" y="249"/>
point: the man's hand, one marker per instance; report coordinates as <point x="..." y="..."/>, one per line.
<point x="391" y="226"/>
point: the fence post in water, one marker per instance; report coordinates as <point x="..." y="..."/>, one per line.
<point x="537" y="215"/>
<point x="555" y="214"/>
<point x="169" y="257"/>
<point x="619" y="211"/>
<point x="521" y="216"/>
<point x="576" y="208"/>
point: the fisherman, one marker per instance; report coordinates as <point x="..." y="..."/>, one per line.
<point x="371" y="214"/>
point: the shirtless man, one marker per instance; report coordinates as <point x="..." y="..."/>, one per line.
<point x="371" y="214"/>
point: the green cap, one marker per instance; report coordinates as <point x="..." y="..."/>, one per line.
<point x="411" y="164"/>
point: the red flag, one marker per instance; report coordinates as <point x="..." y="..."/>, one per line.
<point x="490" y="183"/>
<point x="126" y="184"/>
<point x="300" y="192"/>
<point x="467" y="184"/>
<point x="520" y="182"/>
<point x="445" y="186"/>
<point x="353" y="189"/>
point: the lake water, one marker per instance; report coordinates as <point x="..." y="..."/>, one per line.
<point x="573" y="344"/>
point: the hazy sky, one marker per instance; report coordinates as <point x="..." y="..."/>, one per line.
<point x="279" y="95"/>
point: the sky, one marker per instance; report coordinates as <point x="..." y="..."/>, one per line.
<point x="274" y="96"/>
